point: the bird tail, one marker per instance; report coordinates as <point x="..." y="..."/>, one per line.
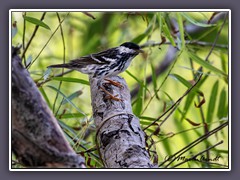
<point x="60" y="66"/>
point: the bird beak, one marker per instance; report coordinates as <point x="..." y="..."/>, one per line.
<point x="140" y="51"/>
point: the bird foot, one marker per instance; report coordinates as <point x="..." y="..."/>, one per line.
<point x="117" y="84"/>
<point x="110" y="96"/>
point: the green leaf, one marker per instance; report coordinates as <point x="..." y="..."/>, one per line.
<point x="220" y="151"/>
<point x="191" y="96"/>
<point x="139" y="38"/>
<point x="160" y="22"/>
<point x="184" y="82"/>
<point x="222" y="103"/>
<point x="179" y="44"/>
<point x="207" y="33"/>
<point x="181" y="79"/>
<point x="167" y="32"/>
<point x="139" y="102"/>
<point x="29" y="60"/>
<point x="206" y="64"/>
<point x="73" y="80"/>
<point x="72" y="96"/>
<point x="181" y="30"/>
<point x="151" y="119"/>
<point x="45" y="97"/>
<point x="145" y="123"/>
<point x="154" y="80"/>
<point x="166" y="146"/>
<point x="46" y="73"/>
<point x="223" y="62"/>
<point x="136" y="79"/>
<point x="212" y="102"/>
<point x="186" y="137"/>
<point x="187" y="105"/>
<point x="193" y="21"/>
<point x="69" y="101"/>
<point x="68" y="128"/>
<point x="36" y="22"/>
<point x="169" y="97"/>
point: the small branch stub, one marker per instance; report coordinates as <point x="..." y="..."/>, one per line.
<point x="120" y="140"/>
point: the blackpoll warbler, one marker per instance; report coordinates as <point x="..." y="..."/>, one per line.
<point x="104" y="64"/>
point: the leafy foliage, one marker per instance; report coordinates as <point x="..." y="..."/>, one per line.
<point x="158" y="78"/>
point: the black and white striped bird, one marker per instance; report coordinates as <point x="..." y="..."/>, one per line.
<point x="104" y="64"/>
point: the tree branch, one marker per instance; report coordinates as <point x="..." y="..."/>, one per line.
<point x="119" y="138"/>
<point x="37" y="139"/>
<point x="192" y="42"/>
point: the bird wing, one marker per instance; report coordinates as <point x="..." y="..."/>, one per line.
<point x="103" y="57"/>
<point x="109" y="53"/>
<point x="106" y="56"/>
<point x="83" y="61"/>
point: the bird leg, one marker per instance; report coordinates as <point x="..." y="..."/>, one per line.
<point x="117" y="84"/>
<point x="110" y="96"/>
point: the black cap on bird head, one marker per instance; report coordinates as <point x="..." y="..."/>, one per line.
<point x="130" y="45"/>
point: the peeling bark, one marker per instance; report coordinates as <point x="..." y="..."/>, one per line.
<point x="37" y="139"/>
<point x="119" y="138"/>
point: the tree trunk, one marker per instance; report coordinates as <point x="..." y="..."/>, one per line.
<point x="119" y="138"/>
<point x="37" y="139"/>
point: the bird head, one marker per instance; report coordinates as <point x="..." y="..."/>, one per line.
<point x="129" y="46"/>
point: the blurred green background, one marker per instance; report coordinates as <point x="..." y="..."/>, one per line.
<point x="85" y="33"/>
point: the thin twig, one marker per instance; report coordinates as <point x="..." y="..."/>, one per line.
<point x="193" y="157"/>
<point x="59" y="106"/>
<point x="206" y="59"/>
<point x="172" y="134"/>
<point x="173" y="106"/>
<point x="49" y="79"/>
<point x="199" y="43"/>
<point x="88" y="150"/>
<point x="56" y="113"/>
<point x="79" y="144"/>
<point x="205" y="126"/>
<point x="217" y="36"/>
<point x="64" y="59"/>
<point x="194" y="143"/>
<point x="48" y="41"/>
<point x="33" y="34"/>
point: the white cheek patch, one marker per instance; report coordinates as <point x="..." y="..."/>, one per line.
<point x="125" y="50"/>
